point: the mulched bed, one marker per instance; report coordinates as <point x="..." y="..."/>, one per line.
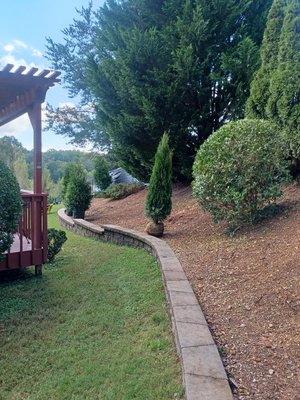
<point x="248" y="285"/>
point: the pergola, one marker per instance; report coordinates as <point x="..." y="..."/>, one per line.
<point x="24" y="92"/>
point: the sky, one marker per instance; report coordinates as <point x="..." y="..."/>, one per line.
<point x="24" y="25"/>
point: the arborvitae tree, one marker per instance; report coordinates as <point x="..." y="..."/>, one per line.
<point x="71" y="169"/>
<point x="159" y="196"/>
<point x="10" y="206"/>
<point x="284" y="102"/>
<point x="101" y="172"/>
<point x="78" y="195"/>
<point x="260" y="86"/>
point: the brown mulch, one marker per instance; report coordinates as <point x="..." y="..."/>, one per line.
<point x="248" y="286"/>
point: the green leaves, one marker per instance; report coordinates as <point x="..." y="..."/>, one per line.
<point x="101" y="175"/>
<point x="275" y="90"/>
<point x="10" y="206"/>
<point x="239" y="169"/>
<point x="149" y="67"/>
<point x="159" y="196"/>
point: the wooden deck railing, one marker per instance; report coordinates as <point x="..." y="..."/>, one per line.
<point x="30" y="246"/>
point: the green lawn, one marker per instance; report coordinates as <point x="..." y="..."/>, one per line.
<point x="94" y="326"/>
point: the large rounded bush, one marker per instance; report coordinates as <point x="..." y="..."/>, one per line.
<point x="10" y="207"/>
<point x="238" y="170"/>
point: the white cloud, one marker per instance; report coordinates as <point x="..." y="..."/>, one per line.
<point x="36" y="52"/>
<point x="9" y="48"/>
<point x="14" y="46"/>
<point x="18" y="53"/>
<point x="11" y="59"/>
<point x="16" y="127"/>
<point x="67" y="104"/>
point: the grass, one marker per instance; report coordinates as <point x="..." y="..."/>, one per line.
<point x="94" y="326"/>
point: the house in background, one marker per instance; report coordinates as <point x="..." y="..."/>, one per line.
<point x="24" y="92"/>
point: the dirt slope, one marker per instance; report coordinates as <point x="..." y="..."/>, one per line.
<point x="248" y="286"/>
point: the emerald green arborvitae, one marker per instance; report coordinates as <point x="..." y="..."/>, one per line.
<point x="260" y="86"/>
<point x="159" y="196"/>
<point x="10" y="207"/>
<point x="284" y="102"/>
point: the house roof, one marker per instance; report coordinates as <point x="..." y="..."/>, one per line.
<point x="20" y="89"/>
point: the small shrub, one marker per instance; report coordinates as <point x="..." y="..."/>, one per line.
<point x="117" y="191"/>
<point x="72" y="169"/>
<point x="159" y="196"/>
<point x="238" y="170"/>
<point x="78" y="195"/>
<point x="10" y="207"/>
<point x="101" y="173"/>
<point x="56" y="238"/>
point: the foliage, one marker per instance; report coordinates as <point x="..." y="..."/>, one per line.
<point x="72" y="169"/>
<point x="98" y="289"/>
<point x="143" y="68"/>
<point x="10" y="206"/>
<point x="275" y="90"/>
<point x="101" y="172"/>
<point x="78" y="194"/>
<point x="159" y="196"/>
<point x="10" y="150"/>
<point x="239" y="169"/>
<point x="117" y="191"/>
<point x="260" y="86"/>
<point x="283" y="105"/>
<point x="21" y="172"/>
<point x="56" y="239"/>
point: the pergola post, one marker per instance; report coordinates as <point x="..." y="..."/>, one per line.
<point x="35" y="116"/>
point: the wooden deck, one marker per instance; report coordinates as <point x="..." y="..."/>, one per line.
<point x="16" y="247"/>
<point x="30" y="244"/>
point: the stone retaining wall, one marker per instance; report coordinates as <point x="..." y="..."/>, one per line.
<point x="204" y="377"/>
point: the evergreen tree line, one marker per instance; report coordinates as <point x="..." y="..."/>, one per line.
<point x="275" y="89"/>
<point x="147" y="67"/>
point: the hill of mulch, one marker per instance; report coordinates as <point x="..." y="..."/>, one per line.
<point x="248" y="285"/>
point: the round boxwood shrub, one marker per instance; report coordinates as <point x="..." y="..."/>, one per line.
<point x="238" y="170"/>
<point x="10" y="206"/>
<point x="56" y="239"/>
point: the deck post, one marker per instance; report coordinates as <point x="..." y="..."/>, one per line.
<point x="35" y="115"/>
<point x="38" y="270"/>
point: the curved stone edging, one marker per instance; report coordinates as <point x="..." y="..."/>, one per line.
<point x="204" y="376"/>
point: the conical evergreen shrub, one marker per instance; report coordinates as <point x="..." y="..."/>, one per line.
<point x="10" y="207"/>
<point x="159" y="196"/>
<point x="260" y="85"/>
